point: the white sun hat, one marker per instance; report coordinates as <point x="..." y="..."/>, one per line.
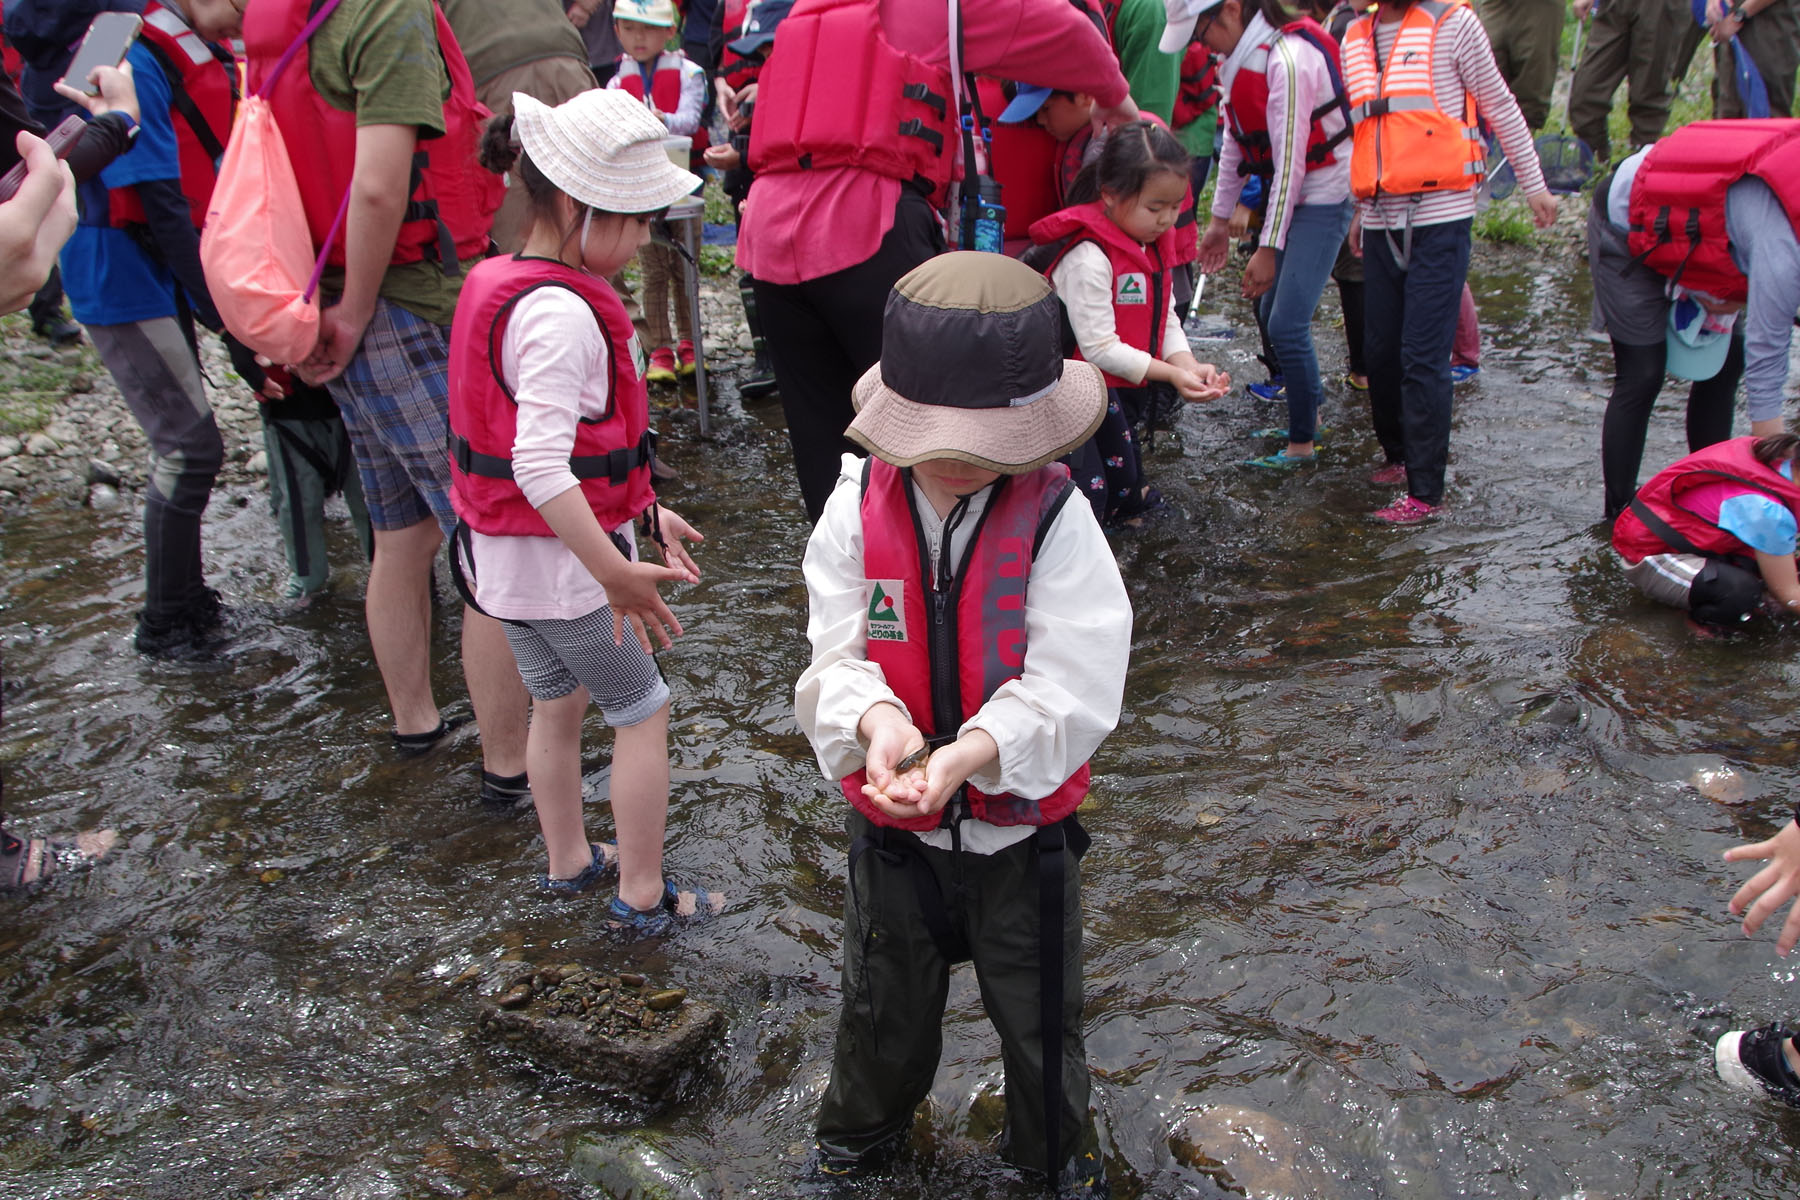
<point x="1183" y="16"/>
<point x="604" y="149"/>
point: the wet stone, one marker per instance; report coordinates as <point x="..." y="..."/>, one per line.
<point x="610" y="1030"/>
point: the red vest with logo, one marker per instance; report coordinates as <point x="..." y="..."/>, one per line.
<point x="952" y="651"/>
<point x="1142" y="295"/>
<point x="453" y="198"/>
<point x="1678" y="197"/>
<point x="205" y="78"/>
<point x="611" y="455"/>
<point x="665" y="88"/>
<point x="1248" y="108"/>
<point x="1723" y="462"/>
<point x="840" y="95"/>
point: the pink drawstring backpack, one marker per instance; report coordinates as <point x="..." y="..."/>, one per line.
<point x="255" y="248"/>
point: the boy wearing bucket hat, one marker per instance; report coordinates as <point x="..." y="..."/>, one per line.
<point x="674" y="89"/>
<point x="963" y="598"/>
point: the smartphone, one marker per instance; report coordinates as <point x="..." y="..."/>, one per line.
<point x="62" y="139"/>
<point x="107" y="41"/>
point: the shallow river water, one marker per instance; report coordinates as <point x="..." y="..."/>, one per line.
<point x="1405" y="881"/>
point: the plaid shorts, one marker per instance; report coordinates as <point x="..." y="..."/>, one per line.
<point x="395" y="397"/>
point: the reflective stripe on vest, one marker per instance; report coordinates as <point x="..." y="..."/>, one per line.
<point x="1404" y="143"/>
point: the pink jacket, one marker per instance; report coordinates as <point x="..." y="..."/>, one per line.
<point x="806" y="224"/>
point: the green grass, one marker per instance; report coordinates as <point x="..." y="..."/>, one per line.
<point x="1508" y="222"/>
<point x="31" y="388"/>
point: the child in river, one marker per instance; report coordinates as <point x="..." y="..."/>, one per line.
<point x="1765" y="1059"/>
<point x="963" y="525"/>
<point x="1112" y="265"/>
<point x="551" y="458"/>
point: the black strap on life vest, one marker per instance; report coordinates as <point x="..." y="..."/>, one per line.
<point x="615" y="466"/>
<point x="1659" y="225"/>
<point x="186" y="105"/>
<point x="443" y="252"/>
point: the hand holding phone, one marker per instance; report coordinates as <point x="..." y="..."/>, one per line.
<point x="108" y="40"/>
<point x="62" y="139"/>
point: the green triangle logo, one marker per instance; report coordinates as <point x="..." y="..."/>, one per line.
<point x="882" y="607"/>
<point x="1131" y="285"/>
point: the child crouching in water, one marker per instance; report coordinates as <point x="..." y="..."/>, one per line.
<point x="963" y="598"/>
<point x="1113" y="262"/>
<point x="550" y="451"/>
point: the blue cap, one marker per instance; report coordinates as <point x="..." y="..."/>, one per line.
<point x="1025" y="102"/>
<point x="759" y="26"/>
<point x="1695" y="351"/>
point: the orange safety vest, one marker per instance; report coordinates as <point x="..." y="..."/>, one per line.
<point x="1404" y="143"/>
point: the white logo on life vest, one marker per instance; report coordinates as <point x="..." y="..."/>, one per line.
<point x="887" y="610"/>
<point x="640" y="361"/>
<point x="1129" y="289"/>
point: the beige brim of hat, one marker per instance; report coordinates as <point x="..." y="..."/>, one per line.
<point x="1008" y="440"/>
<point x="639" y="179"/>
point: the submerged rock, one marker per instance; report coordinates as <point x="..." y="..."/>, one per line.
<point x="1249" y="1152"/>
<point x="631" y="1167"/>
<point x="612" y="1030"/>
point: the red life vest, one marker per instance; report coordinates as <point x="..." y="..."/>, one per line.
<point x="1024" y="162"/>
<point x="898" y="121"/>
<point x="453" y="198"/>
<point x="203" y="84"/>
<point x="611" y="456"/>
<point x="665" y="88"/>
<point x="737" y="70"/>
<point x="1678" y="197"/>
<point x="1247" y="110"/>
<point x="1723" y="462"/>
<point x="945" y="654"/>
<point x="1142" y="292"/>
<point x="1198" y="90"/>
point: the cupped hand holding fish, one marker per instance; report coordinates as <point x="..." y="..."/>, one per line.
<point x="1771" y="887"/>
<point x="905" y="780"/>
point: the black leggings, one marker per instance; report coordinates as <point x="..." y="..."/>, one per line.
<point x="1637" y="379"/>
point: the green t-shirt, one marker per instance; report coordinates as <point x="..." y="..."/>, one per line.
<point x="1198" y="137"/>
<point x="379" y="59"/>
<point x="1154" y="77"/>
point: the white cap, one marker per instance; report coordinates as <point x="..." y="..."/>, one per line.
<point x="1183" y="16"/>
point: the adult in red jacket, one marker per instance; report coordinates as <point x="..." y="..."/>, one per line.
<point x="1712" y="532"/>
<point x="845" y="203"/>
<point x="379" y="112"/>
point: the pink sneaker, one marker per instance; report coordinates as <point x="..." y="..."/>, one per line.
<point x="1407" y="511"/>
<point x="1391" y="475"/>
<point x="662" y="365"/>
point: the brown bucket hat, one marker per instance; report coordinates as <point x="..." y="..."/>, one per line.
<point x="972" y="369"/>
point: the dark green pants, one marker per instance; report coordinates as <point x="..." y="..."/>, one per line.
<point x="1633" y="41"/>
<point x="1527" y="40"/>
<point x="896" y="978"/>
<point x="309" y="460"/>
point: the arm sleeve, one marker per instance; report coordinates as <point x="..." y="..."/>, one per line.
<point x="1770" y="256"/>
<point x="1228" y="184"/>
<point x="101" y="142"/>
<point x="1051" y="43"/>
<point x="395" y="67"/>
<point x="177" y="243"/>
<point x="1475" y="66"/>
<point x="1084" y="282"/>
<point x="559" y="349"/>
<point x="1759" y="522"/>
<point x="1293" y="94"/>
<point x="840" y="684"/>
<point x="1053" y="717"/>
<point x="155" y="154"/>
<point x="686" y="119"/>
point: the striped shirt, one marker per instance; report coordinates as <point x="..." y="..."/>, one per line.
<point x="1462" y="64"/>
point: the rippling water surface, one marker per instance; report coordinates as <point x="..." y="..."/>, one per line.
<point x="1405" y="880"/>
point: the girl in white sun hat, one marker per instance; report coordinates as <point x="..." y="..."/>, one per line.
<point x="551" y="452"/>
